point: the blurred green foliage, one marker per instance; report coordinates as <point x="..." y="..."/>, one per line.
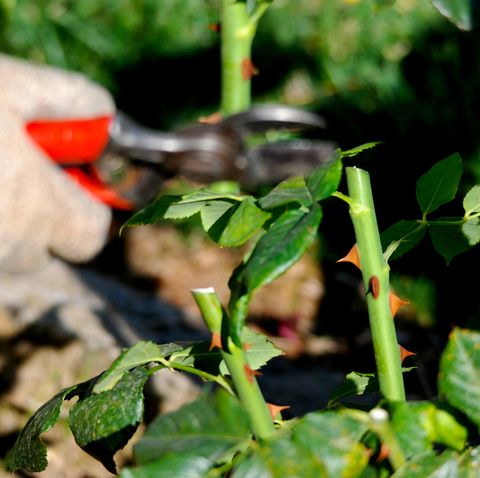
<point x="98" y="36"/>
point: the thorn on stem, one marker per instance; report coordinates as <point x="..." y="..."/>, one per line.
<point x="216" y="341"/>
<point x="352" y="257"/>
<point x="214" y="118"/>
<point x="248" y="69"/>
<point x="215" y="27"/>
<point x="396" y="303"/>
<point x="276" y="409"/>
<point x="251" y="373"/>
<point x="404" y="353"/>
<point x="383" y="453"/>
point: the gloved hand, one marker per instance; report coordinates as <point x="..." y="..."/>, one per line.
<point x="42" y="211"/>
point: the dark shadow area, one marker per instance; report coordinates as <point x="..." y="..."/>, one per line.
<point x="164" y="92"/>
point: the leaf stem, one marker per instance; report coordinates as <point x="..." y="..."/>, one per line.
<point x="375" y="274"/>
<point x="246" y="385"/>
<point x="380" y="424"/>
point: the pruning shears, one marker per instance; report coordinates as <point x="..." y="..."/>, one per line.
<point x="123" y="163"/>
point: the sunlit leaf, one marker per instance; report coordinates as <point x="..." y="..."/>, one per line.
<point x="29" y="452"/>
<point x="246" y="220"/>
<point x="459" y="377"/>
<point x="460" y="12"/>
<point x="141" y="353"/>
<point x="213" y="211"/>
<point x="471" y="201"/>
<point x="439" y="185"/>
<point x="187" y="465"/>
<point x="280" y="247"/>
<point x="359" y="149"/>
<point x="288" y="191"/>
<point x="324" y="180"/>
<point x="471" y="231"/>
<point x="430" y="465"/>
<point x="208" y="427"/>
<point x="420" y="425"/>
<point x="153" y="213"/>
<point x="322" y="445"/>
<point x="355" y="383"/>
<point x="103" y="423"/>
<point x="260" y="350"/>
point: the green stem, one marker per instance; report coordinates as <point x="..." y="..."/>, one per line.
<point x="380" y="424"/>
<point x="237" y="32"/>
<point x="246" y="385"/>
<point x="375" y="274"/>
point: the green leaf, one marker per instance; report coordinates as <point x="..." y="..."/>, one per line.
<point x="452" y="239"/>
<point x="439" y="185"/>
<point x="141" y="353"/>
<point x="246" y="221"/>
<point x="259" y="352"/>
<point x="288" y="191"/>
<point x="103" y="424"/>
<point x="207" y="428"/>
<point x="183" y="210"/>
<point x="355" y="383"/>
<point x="471" y="231"/>
<point x="322" y="445"/>
<point x="280" y="458"/>
<point x="29" y="452"/>
<point x="324" y="180"/>
<point x="213" y="211"/>
<point x="469" y="463"/>
<point x="194" y="202"/>
<point x="357" y="150"/>
<point x="153" y="213"/>
<point x="429" y="465"/>
<point x="420" y="425"/>
<point x="471" y="201"/>
<point x="459" y="376"/>
<point x="334" y="439"/>
<point x="280" y="247"/>
<point x="458" y="12"/>
<point x="401" y="237"/>
<point x="185" y="465"/>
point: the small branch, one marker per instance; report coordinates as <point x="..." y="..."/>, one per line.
<point x="246" y="385"/>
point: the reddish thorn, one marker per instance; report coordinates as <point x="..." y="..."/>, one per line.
<point x="374" y="286"/>
<point x="404" y="353"/>
<point x="214" y="118"/>
<point x="352" y="257"/>
<point x="247" y="346"/>
<point x="248" y="69"/>
<point x="251" y="373"/>
<point x="215" y="27"/>
<point x="396" y="303"/>
<point x="276" y="409"/>
<point x="216" y="341"/>
<point x="384" y="453"/>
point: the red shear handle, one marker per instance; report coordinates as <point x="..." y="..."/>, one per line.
<point x="77" y="141"/>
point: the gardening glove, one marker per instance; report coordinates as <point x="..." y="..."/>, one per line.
<point x="43" y="213"/>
